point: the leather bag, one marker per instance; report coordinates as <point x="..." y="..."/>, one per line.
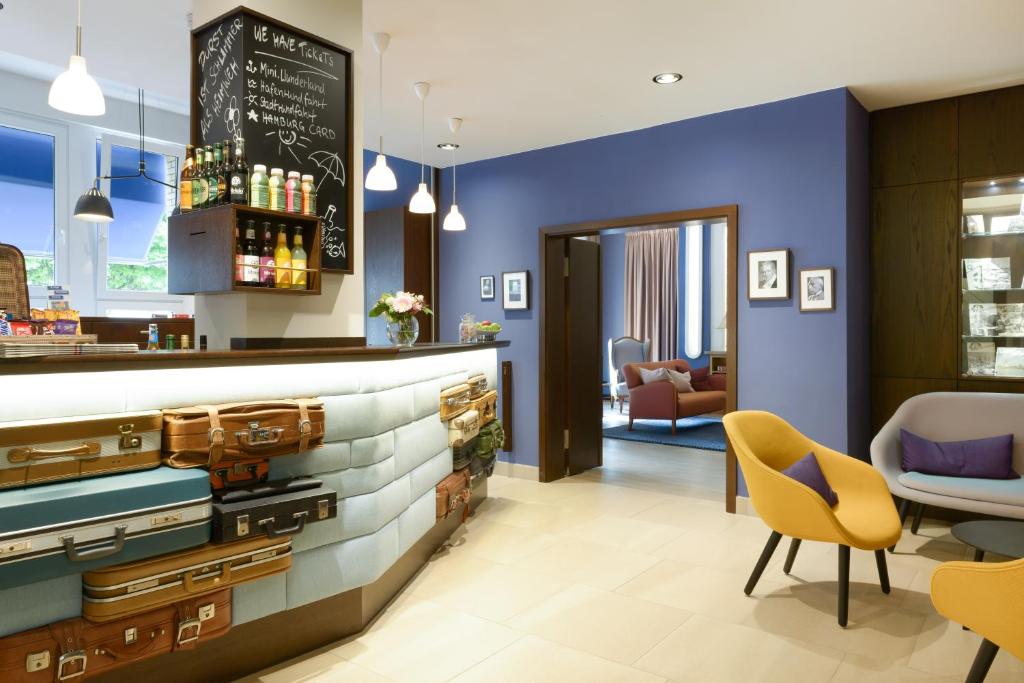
<point x="453" y="492"/>
<point x="209" y="435"/>
<point x="76" y="649"/>
<point x="477" y="385"/>
<point x="486" y="406"/>
<point x="454" y="401"/>
<point x="118" y="592"/>
<point x="463" y="428"/>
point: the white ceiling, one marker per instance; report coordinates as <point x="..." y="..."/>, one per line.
<point x="535" y="73"/>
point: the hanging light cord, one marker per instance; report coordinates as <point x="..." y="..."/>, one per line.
<point x="141" y="172"/>
<point x="78" y="31"/>
<point x="423" y="133"/>
<point x="380" y="101"/>
<point x="453" y="175"/>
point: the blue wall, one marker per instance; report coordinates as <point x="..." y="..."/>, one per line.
<point x="408" y="175"/>
<point x="796" y="168"/>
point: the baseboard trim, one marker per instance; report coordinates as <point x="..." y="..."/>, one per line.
<point x="517" y="470"/>
<point x="745" y="507"/>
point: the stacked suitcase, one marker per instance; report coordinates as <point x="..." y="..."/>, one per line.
<point x="161" y="513"/>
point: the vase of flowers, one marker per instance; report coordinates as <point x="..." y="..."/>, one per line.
<point x="400" y="310"/>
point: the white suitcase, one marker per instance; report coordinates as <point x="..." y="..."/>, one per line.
<point x="463" y="428"/>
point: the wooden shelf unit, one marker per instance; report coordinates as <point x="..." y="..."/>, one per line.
<point x="201" y="249"/>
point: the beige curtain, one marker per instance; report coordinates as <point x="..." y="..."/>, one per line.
<point x="652" y="289"/>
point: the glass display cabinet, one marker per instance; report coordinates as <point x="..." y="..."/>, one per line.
<point x="992" y="278"/>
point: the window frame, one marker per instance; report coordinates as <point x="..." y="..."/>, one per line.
<point x="61" y="210"/>
<point x="114" y="298"/>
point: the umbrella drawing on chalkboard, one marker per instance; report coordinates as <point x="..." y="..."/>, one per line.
<point x="330" y="163"/>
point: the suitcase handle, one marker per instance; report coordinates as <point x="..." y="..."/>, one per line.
<point x="76" y="555"/>
<point x="188" y="582"/>
<point x="300" y="522"/>
<point x="256" y="437"/>
<point x="87" y="448"/>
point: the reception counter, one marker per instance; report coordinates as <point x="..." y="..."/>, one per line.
<point x="385" y="451"/>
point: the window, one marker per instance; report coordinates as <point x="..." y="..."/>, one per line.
<point x="135" y="254"/>
<point x="693" y="338"/>
<point x="28" y="199"/>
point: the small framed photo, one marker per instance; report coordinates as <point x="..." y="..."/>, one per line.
<point x="486" y="288"/>
<point x="515" y="290"/>
<point x="817" y="289"/>
<point x="768" y="274"/>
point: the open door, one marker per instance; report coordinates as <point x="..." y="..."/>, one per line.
<point x="571" y="404"/>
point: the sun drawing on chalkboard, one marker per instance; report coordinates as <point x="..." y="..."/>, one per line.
<point x="286" y="139"/>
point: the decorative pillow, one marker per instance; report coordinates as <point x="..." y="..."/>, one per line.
<point x="808" y="472"/>
<point x="682" y="381"/>
<point x="989" y="458"/>
<point x="655" y="375"/>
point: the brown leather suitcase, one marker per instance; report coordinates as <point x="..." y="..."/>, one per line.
<point x="454" y="401"/>
<point x="453" y="492"/>
<point x="477" y="385"/>
<point x="117" y="592"/>
<point x="76" y="649"/>
<point x="206" y="436"/>
<point x="238" y="474"/>
<point x="486" y="406"/>
<point x="51" y="450"/>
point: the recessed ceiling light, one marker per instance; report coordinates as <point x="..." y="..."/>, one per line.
<point x="447" y="146"/>
<point x="667" y="78"/>
<point x="991" y="183"/>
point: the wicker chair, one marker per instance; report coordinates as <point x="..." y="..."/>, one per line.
<point x="13" y="282"/>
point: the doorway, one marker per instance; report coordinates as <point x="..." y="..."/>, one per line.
<point x="571" y="398"/>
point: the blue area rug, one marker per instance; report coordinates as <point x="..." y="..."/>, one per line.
<point x="693" y="432"/>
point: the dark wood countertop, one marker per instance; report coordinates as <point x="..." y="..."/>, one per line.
<point x="192" y="358"/>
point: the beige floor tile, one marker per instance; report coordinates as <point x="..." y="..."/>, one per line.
<point x="535" y="660"/>
<point x="483" y="588"/>
<point x="857" y="669"/>
<point x="819" y="563"/>
<point x="702" y="590"/>
<point x="425" y="642"/>
<point x="623" y="532"/>
<point x="945" y="648"/>
<point x="503" y="542"/>
<point x="323" y="668"/>
<point x="603" y="499"/>
<point x="535" y="492"/>
<point x="704" y="650"/>
<point x="719" y="550"/>
<point x="609" y="625"/>
<point x="535" y="516"/>
<point x="690" y="514"/>
<point x="588" y="563"/>
<point x="495" y="482"/>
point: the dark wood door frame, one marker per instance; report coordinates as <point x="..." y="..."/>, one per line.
<point x="548" y="458"/>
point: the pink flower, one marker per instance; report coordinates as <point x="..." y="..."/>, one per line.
<point x="403" y="302"/>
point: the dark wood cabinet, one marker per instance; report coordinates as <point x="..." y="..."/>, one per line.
<point x="992" y="133"/>
<point x="135" y="330"/>
<point x="201" y="249"/>
<point x="914" y="144"/>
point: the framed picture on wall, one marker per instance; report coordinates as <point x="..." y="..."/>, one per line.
<point x="817" y="289"/>
<point x="768" y="274"/>
<point x="515" y="290"/>
<point x="486" y="288"/>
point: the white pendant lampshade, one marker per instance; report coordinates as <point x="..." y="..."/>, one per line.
<point x="454" y="220"/>
<point x="422" y="201"/>
<point x="75" y="91"/>
<point x="380" y="176"/>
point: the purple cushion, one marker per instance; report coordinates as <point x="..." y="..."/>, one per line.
<point x="808" y="472"/>
<point x="990" y="458"/>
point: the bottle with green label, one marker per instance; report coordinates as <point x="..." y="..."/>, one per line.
<point x="258" y="186"/>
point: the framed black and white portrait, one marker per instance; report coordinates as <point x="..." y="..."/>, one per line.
<point x="515" y="290"/>
<point x="486" y="288"/>
<point x="768" y="274"/>
<point x="817" y="289"/>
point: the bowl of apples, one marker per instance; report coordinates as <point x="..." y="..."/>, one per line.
<point x="486" y="331"/>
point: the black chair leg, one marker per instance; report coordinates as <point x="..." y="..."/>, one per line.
<point x="883" y="571"/>
<point x="762" y="562"/>
<point x="982" y="661"/>
<point x="844" y="584"/>
<point x="904" y="511"/>
<point x="918" y="514"/>
<point x="793" y="547"/>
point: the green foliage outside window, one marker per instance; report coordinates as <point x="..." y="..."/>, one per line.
<point x="150" y="276"/>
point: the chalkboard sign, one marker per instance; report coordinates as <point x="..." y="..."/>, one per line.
<point x="289" y="95"/>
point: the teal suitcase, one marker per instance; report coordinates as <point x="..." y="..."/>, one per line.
<point x="76" y="526"/>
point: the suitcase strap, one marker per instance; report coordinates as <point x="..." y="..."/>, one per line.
<point x="73" y="660"/>
<point x="249" y="440"/>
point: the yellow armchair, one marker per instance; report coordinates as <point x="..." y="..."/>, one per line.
<point x="864" y="518"/>
<point x="989" y="600"/>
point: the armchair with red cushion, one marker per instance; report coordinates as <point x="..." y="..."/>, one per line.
<point x="660" y="401"/>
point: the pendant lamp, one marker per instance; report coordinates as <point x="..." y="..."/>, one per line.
<point x="454" y="220"/>
<point x="422" y="201"/>
<point x="75" y="91"/>
<point x="380" y="177"/>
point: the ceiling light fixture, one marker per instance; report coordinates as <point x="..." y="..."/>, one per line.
<point x="667" y="78"/>
<point x="381" y="177"/>
<point x="447" y="146"/>
<point x="75" y="91"/>
<point x="454" y="221"/>
<point x="422" y="201"/>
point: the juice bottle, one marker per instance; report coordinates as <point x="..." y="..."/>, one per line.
<point x="258" y="187"/>
<point x="276" y="189"/>
<point x="308" y="195"/>
<point x="282" y="260"/>
<point x="293" y="193"/>
<point x="298" y="261"/>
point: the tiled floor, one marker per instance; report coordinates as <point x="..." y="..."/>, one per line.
<point x="585" y="580"/>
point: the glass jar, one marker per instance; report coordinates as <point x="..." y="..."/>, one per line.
<point x="276" y="189"/>
<point x="404" y="332"/>
<point x="308" y="195"/>
<point x="258" y="186"/>
<point x="467" y="329"/>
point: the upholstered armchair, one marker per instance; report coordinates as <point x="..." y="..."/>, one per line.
<point x="987" y="598"/>
<point x="864" y="518"/>
<point x="621" y="351"/>
<point x="660" y="401"/>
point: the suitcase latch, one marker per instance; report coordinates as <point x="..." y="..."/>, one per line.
<point x="168" y="518"/>
<point x="77" y="656"/>
<point x="37" y="661"/>
<point x="323" y="508"/>
<point x="16" y="547"/>
<point x="242" y="525"/>
<point x="259" y="434"/>
<point x="206" y="612"/>
<point x="128" y="438"/>
<point x="183" y="629"/>
<point x="131" y="635"/>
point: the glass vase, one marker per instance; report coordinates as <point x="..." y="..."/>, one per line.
<point x="404" y="332"/>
